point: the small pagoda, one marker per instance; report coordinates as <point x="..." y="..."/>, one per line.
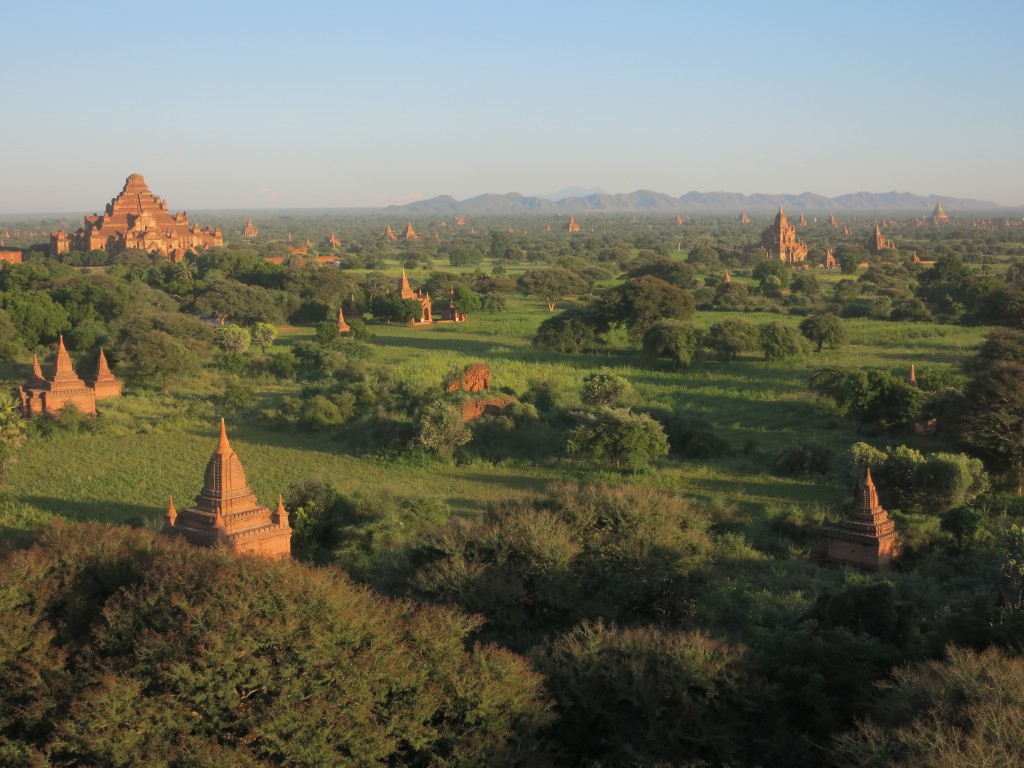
<point x="50" y="395"/>
<point x="410" y="233"/>
<point x="865" y="538"/>
<point x="250" y="229"/>
<point x="227" y="513"/>
<point x="389" y="233"/>
<point x="343" y="327"/>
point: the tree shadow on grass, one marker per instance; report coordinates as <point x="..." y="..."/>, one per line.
<point x="102" y="511"/>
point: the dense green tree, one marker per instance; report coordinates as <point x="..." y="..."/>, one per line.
<point x="966" y="709"/>
<point x="671" y="271"/>
<point x="264" y="335"/>
<point x="578" y="329"/>
<point x="153" y="354"/>
<point x="678" y="341"/>
<point x="38" y="318"/>
<point x="627" y="440"/>
<point x="440" y="428"/>
<point x="13" y="432"/>
<point x="824" y="329"/>
<point x="121" y="650"/>
<point x="232" y="338"/>
<point x="551" y="284"/>
<point x="729" y="338"/>
<point x="639" y="303"/>
<point x="702" y="258"/>
<point x="991" y="417"/>
<point x="603" y="388"/>
<point x="393" y="308"/>
<point x="780" y="342"/>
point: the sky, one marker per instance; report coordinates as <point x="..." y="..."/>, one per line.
<point x="362" y="104"/>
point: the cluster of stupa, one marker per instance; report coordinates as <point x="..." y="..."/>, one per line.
<point x="50" y="395"/>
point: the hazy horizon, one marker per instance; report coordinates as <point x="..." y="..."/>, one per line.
<point x="342" y="105"/>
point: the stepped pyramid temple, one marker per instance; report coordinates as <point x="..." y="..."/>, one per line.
<point x="50" y="395"/>
<point x="866" y="537"/>
<point x="136" y="218"/>
<point x="573" y="226"/>
<point x="406" y="292"/>
<point x="938" y="215"/>
<point x="780" y="242"/>
<point x="226" y="512"/>
<point x="250" y="229"/>
<point x="389" y="233"/>
<point x="410" y="233"/>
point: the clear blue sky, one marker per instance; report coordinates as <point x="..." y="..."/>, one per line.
<point x="327" y="104"/>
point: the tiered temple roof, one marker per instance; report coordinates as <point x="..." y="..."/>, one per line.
<point x="866" y="537"/>
<point x="226" y="512"/>
<point x="938" y="215"/>
<point x="250" y="229"/>
<point x="573" y="226"/>
<point x="877" y="242"/>
<point x="410" y="233"/>
<point x="50" y="395"/>
<point x="136" y="218"/>
<point x="780" y="242"/>
<point x="389" y="233"/>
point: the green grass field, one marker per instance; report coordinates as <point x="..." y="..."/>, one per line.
<point x="148" y="445"/>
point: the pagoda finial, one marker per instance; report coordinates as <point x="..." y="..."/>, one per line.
<point x="63" y="358"/>
<point x="37" y="372"/>
<point x="172" y="513"/>
<point x="103" y="367"/>
<point x="868" y="481"/>
<point x="913" y="376"/>
<point x="281" y="513"/>
<point x="223" y="446"/>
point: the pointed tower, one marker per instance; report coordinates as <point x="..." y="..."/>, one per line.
<point x="332" y="241"/>
<point x="938" y="215"/>
<point x="404" y="289"/>
<point x="744" y="219"/>
<point x="866" y="537"/>
<point x="389" y="233"/>
<point x="912" y="381"/>
<point x="727" y="279"/>
<point x="343" y="327"/>
<point x="42" y="395"/>
<point x="573" y="226"/>
<point x="172" y="514"/>
<point x="289" y="239"/>
<point x="105" y="384"/>
<point x="780" y="242"/>
<point x="227" y="512"/>
<point x="410" y="233"/>
<point x="250" y="229"/>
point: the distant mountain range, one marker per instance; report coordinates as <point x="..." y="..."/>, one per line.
<point x="646" y="201"/>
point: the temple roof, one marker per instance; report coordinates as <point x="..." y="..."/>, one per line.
<point x="224" y="485"/>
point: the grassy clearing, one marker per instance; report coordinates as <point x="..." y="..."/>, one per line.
<point x="150" y="445"/>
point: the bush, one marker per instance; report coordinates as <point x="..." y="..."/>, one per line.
<point x="781" y="342"/>
<point x="626" y="439"/>
<point x="679" y="342"/>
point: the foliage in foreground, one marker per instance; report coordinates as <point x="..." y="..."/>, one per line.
<point x="120" y="649"/>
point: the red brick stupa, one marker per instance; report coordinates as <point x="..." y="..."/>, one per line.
<point x="226" y="512"/>
<point x="51" y="395"/>
<point x="866" y="537"/>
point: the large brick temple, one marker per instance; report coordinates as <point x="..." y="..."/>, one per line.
<point x="226" y="512"/>
<point x="780" y="242"/>
<point x="137" y="218"/>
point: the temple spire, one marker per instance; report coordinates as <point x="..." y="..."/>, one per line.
<point x="913" y="376"/>
<point x="223" y="446"/>
<point x="103" y="367"/>
<point x="37" y="372"/>
<point x="281" y="513"/>
<point x="172" y="513"/>
<point x="64" y="364"/>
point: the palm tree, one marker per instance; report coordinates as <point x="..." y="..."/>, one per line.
<point x="13" y="432"/>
